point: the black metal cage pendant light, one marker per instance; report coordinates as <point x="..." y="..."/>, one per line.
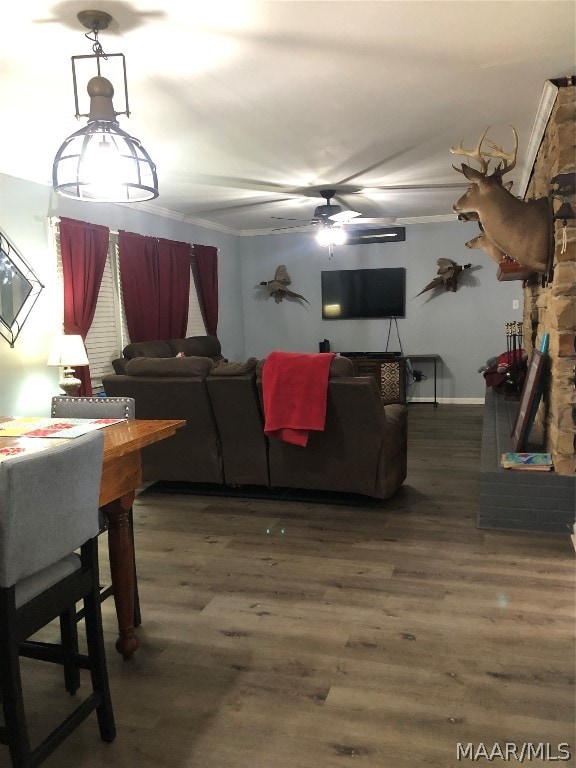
<point x="101" y="162"/>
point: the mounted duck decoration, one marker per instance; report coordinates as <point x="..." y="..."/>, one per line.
<point x="518" y="228"/>
<point x="278" y="287"/>
<point x="448" y="274"/>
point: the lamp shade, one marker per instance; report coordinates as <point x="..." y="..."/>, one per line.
<point x="67" y="351"/>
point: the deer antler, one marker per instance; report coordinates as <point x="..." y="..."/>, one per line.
<point x="474" y="154"/>
<point x="508" y="158"/>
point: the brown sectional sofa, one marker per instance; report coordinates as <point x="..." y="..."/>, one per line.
<point x="198" y="346"/>
<point x="362" y="449"/>
<point x="240" y="423"/>
<point x="174" y="388"/>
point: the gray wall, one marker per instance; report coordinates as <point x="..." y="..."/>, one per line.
<point x="26" y="383"/>
<point x="465" y="328"/>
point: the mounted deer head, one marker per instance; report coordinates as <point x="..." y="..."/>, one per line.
<point x="518" y="228"/>
<point x="484" y="243"/>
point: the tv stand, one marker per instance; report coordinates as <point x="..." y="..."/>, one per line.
<point x="372" y="355"/>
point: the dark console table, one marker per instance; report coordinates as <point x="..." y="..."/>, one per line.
<point x="434" y="359"/>
<point x="389" y="371"/>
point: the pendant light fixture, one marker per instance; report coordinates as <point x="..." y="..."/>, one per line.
<point x="101" y="162"/>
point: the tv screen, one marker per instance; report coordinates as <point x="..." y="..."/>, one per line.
<point x="356" y="293"/>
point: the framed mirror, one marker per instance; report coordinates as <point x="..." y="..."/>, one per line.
<point x="19" y="289"/>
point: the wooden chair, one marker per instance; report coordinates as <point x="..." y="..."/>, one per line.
<point x="49" y="509"/>
<point x="101" y="408"/>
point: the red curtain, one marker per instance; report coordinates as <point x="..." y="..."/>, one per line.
<point x="205" y="263"/>
<point x="155" y="276"/>
<point x="83" y="248"/>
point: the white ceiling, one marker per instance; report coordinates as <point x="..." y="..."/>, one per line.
<point x="249" y="108"/>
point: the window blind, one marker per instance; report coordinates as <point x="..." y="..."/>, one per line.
<point x="107" y="335"/>
<point x="195" y="326"/>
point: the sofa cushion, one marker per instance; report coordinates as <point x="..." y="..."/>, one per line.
<point x="158" y="348"/>
<point x="234" y="369"/>
<point x="198" y="346"/>
<point x="169" y="366"/>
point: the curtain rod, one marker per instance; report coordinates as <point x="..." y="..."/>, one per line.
<point x="56" y="220"/>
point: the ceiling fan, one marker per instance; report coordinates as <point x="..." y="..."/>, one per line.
<point x="332" y="212"/>
<point x="332" y="217"/>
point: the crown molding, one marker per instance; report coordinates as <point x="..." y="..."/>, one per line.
<point x="547" y="101"/>
<point x="165" y="213"/>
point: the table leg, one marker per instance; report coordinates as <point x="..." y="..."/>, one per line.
<point x="137" y="612"/>
<point x="121" y="553"/>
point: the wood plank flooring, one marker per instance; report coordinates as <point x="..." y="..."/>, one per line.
<point x="296" y="635"/>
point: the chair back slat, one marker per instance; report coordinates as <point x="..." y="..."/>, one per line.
<point x="93" y="407"/>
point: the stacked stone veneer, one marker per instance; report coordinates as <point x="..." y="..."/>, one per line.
<point x="550" y="303"/>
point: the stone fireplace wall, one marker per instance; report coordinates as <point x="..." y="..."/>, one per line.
<point x="550" y="302"/>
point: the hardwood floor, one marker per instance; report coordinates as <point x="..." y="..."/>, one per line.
<point x="296" y="635"/>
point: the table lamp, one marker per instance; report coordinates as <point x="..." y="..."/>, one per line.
<point x="68" y="352"/>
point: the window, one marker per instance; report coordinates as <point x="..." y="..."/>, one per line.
<point x="108" y="334"/>
<point x="196" y="326"/>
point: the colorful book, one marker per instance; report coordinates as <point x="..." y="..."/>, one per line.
<point x="541" y="462"/>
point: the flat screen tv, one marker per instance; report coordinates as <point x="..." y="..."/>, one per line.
<point x="357" y="293"/>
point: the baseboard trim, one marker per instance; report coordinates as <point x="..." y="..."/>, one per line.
<point x="449" y="400"/>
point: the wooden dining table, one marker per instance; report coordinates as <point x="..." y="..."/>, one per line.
<point x="121" y="476"/>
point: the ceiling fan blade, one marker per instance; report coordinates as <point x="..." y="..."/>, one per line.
<point x="379" y="220"/>
<point x="344" y="216"/>
<point x="295" y="226"/>
<point x="255" y="185"/>
<point x="286" y="218"/>
<point x="249" y="204"/>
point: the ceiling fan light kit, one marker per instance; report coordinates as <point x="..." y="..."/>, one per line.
<point x="331" y="234"/>
<point x="101" y="162"/>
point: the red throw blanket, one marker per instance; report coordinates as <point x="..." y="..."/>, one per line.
<point x="294" y="391"/>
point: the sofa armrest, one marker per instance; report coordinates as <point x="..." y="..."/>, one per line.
<point x="393" y="463"/>
<point x="396" y="413"/>
<point x="119" y="365"/>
